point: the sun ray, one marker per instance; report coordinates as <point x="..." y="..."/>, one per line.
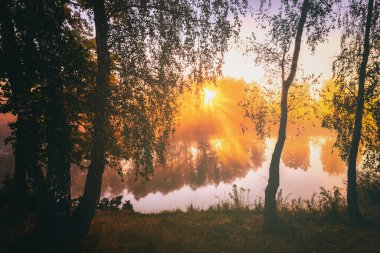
<point x="208" y="96"/>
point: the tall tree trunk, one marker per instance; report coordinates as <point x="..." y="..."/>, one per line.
<point x="270" y="207"/>
<point x="352" y="198"/>
<point x="58" y="198"/>
<point x="14" y="75"/>
<point x="85" y="212"/>
<point x="26" y="144"/>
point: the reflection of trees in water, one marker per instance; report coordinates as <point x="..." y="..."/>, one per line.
<point x="210" y="146"/>
<point x="205" y="168"/>
<point x="195" y="164"/>
<point x="296" y="152"/>
<point x="210" y="149"/>
<point x="256" y="154"/>
<point x="331" y="161"/>
<point x="111" y="183"/>
<point x="200" y="164"/>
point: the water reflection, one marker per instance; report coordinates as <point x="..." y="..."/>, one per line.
<point x="203" y="172"/>
<point x="296" y="153"/>
<point x="331" y="162"/>
<point x="209" y="153"/>
<point x="202" y="163"/>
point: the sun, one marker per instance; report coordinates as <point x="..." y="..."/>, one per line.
<point x="208" y="96"/>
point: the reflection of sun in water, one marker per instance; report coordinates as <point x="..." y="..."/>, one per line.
<point x="209" y="96"/>
<point x="194" y="153"/>
<point x="216" y="143"/>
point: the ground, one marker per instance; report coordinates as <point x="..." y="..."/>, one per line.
<point x="213" y="231"/>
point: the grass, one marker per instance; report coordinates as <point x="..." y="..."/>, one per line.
<point x="223" y="231"/>
<point x="316" y="225"/>
<point x="215" y="231"/>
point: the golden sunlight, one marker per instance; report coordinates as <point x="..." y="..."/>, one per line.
<point x="208" y="96"/>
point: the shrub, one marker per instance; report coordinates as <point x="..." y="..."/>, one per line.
<point x="106" y="204"/>
<point x="332" y="202"/>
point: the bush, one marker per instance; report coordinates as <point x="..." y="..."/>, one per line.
<point x="332" y="202"/>
<point x="7" y="199"/>
<point x="240" y="199"/>
<point x="106" y="204"/>
<point x="127" y="206"/>
<point x="369" y="187"/>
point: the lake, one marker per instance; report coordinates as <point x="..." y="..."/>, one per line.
<point x="209" y="153"/>
<point x="203" y="173"/>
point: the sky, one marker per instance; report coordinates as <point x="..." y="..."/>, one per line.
<point x="220" y="121"/>
<point x="238" y="65"/>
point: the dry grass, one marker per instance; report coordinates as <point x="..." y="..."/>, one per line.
<point x="228" y="231"/>
<point x="316" y="225"/>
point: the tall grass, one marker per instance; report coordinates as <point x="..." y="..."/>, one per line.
<point x="329" y="203"/>
<point x="238" y="201"/>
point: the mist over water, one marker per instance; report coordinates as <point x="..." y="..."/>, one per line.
<point x="203" y="173"/>
<point x="210" y="152"/>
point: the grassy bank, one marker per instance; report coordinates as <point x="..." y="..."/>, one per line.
<point x="235" y="231"/>
<point x="319" y="224"/>
<point x="213" y="231"/>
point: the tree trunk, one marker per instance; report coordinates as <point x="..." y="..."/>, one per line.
<point x="352" y="198"/>
<point x="85" y="212"/>
<point x="270" y="207"/>
<point x="58" y="198"/>
<point x="26" y="143"/>
<point x="14" y="76"/>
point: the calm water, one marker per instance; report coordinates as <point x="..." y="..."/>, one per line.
<point x="203" y="173"/>
<point x="210" y="153"/>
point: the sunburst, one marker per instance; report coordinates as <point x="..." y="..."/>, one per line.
<point x="208" y="96"/>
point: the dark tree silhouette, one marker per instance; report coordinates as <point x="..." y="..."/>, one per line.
<point x="270" y="215"/>
<point x="286" y="29"/>
<point x="14" y="70"/>
<point x="25" y="91"/>
<point x="152" y="44"/>
<point x="83" y="215"/>
<point x="352" y="198"/>
<point x="58" y="199"/>
<point x="18" y="55"/>
<point x="354" y="107"/>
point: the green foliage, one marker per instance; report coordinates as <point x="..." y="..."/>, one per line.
<point x="108" y="204"/>
<point x="238" y="201"/>
<point x="280" y="61"/>
<point x="127" y="206"/>
<point x="240" y="198"/>
<point x="343" y="103"/>
<point x="369" y="188"/>
<point x="157" y="49"/>
<point x="153" y="45"/>
<point x="6" y="195"/>
<point x="77" y="75"/>
<point x="10" y="212"/>
<point x="192" y="208"/>
<point x="281" y="201"/>
<point x="6" y="192"/>
<point x="331" y="202"/>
